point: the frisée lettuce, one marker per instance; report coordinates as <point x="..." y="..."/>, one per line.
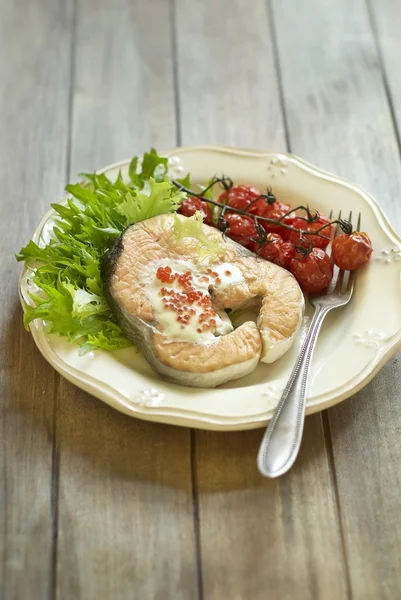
<point x="207" y="248"/>
<point x="66" y="270"/>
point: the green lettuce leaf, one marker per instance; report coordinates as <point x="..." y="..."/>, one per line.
<point x="66" y="270"/>
<point x="185" y="181"/>
<point x="191" y="227"/>
<point x="160" y="198"/>
<point x="154" y="166"/>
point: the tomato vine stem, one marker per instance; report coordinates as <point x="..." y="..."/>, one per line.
<point x="227" y="184"/>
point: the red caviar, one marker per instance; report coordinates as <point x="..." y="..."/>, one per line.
<point x="181" y="298"/>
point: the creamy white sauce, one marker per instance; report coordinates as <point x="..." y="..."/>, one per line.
<point x="226" y="324"/>
<point x="227" y="274"/>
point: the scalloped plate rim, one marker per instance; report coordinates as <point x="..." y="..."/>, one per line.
<point x="192" y="418"/>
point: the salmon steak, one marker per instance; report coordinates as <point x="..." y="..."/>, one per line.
<point x="171" y="301"/>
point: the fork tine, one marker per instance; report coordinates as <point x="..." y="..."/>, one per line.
<point x="339" y="281"/>
<point x="338" y="228"/>
<point x="345" y="279"/>
<point x="333" y="234"/>
<point x="350" y="283"/>
<point x="358" y="225"/>
<point x="351" y="277"/>
<point x="338" y="275"/>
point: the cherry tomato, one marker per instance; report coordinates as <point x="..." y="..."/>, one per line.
<point x="284" y="232"/>
<point x="276" y="211"/>
<point x="309" y="229"/>
<point x="240" y="196"/>
<point x="240" y="229"/>
<point x="263" y="208"/>
<point x="276" y="251"/>
<point x="313" y="272"/>
<point x="190" y="205"/>
<point x="268" y="250"/>
<point x="351" y="251"/>
<point x="287" y="254"/>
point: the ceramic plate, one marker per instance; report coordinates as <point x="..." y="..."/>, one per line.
<point x="354" y="343"/>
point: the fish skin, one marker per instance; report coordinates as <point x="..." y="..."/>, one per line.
<point x="233" y="355"/>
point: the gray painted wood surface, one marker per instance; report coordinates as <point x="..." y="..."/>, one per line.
<point x="94" y="504"/>
<point x="339" y="116"/>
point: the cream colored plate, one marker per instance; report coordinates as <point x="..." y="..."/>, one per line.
<point x="354" y="344"/>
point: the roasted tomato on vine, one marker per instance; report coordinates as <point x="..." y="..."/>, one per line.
<point x="239" y="228"/>
<point x="265" y="204"/>
<point x="352" y="251"/>
<point x="276" y="211"/>
<point x="190" y="205"/>
<point x="313" y="271"/>
<point x="309" y="229"/>
<point x="240" y="196"/>
<point x="276" y="250"/>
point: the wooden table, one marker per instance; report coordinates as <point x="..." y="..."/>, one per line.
<point x="93" y="504"/>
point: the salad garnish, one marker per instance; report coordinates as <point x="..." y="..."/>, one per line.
<point x="66" y="268"/>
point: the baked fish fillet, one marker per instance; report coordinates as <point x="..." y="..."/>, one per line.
<point x="129" y="275"/>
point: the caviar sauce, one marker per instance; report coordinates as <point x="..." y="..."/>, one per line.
<point x="181" y="300"/>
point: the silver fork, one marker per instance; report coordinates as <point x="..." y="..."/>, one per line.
<point x="280" y="444"/>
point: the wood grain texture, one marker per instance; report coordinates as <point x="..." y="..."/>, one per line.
<point x="261" y="537"/>
<point x="124" y="91"/>
<point x="339" y="118"/>
<point x="337" y="111"/>
<point x="125" y="505"/>
<point x="257" y="537"/>
<point x="35" y="43"/>
<point x="385" y="18"/>
<point x="227" y="81"/>
<point x="125" y="498"/>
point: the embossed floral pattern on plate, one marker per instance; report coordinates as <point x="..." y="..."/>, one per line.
<point x="148" y="398"/>
<point x="277" y="166"/>
<point x="389" y="256"/>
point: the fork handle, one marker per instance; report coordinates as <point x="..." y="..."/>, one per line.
<point x="280" y="444"/>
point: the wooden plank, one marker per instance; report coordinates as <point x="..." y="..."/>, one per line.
<point x="339" y="117"/>
<point x="124" y="88"/>
<point x="227" y="81"/>
<point x="337" y="112"/>
<point x="258" y="538"/>
<point x="261" y="537"/>
<point x="34" y="72"/>
<point x="385" y="19"/>
<point x="125" y="505"/>
<point x="125" y="496"/>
